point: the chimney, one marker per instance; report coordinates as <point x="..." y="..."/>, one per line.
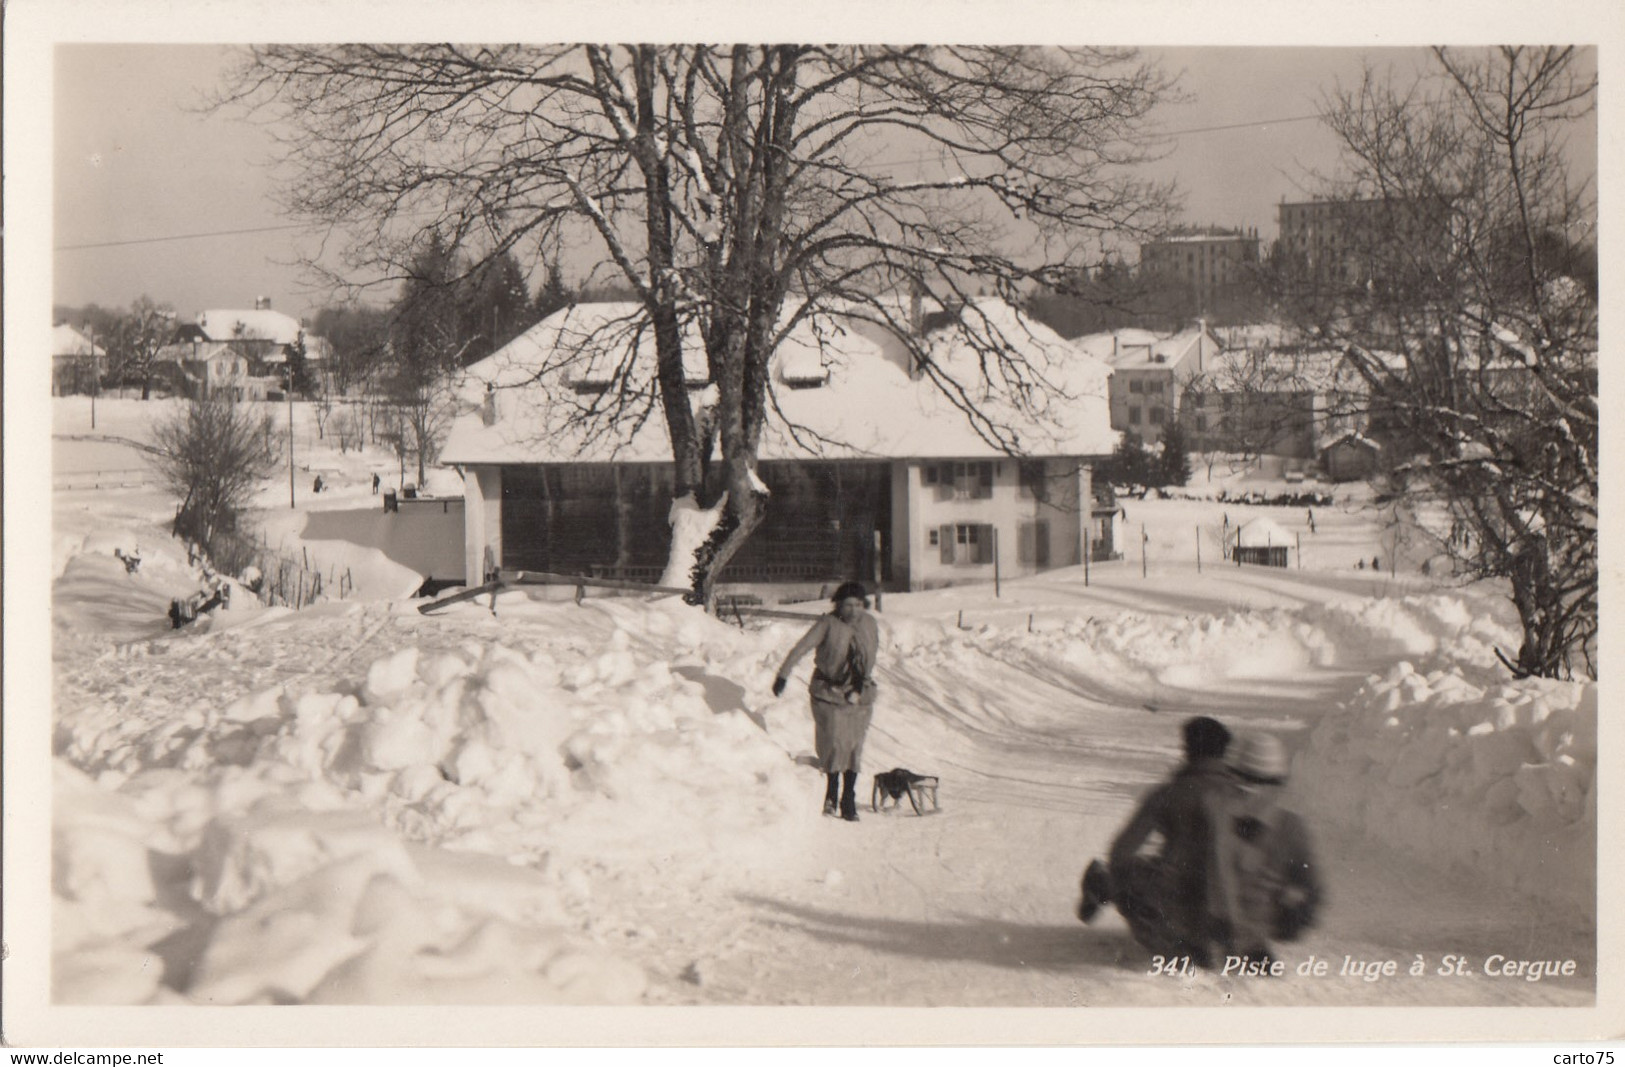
<point x="488" y="407"/>
<point x="262" y="303"/>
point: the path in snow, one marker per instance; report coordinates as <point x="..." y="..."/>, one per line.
<point x="973" y="906"/>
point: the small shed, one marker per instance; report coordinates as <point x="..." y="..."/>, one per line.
<point x="1350" y="457"/>
<point x="1262" y="541"/>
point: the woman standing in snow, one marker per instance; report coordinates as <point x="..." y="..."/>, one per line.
<point x="842" y="690"/>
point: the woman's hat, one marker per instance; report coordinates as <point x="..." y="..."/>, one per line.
<point x="851" y="590"/>
<point x="1260" y="757"/>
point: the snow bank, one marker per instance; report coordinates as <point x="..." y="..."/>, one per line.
<point x="420" y="837"/>
<point x="1453" y="762"/>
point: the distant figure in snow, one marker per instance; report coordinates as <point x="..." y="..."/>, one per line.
<point x="1270" y="878"/>
<point x="1172" y="899"/>
<point x="1360" y="563"/>
<point x="1311" y="520"/>
<point x="842" y="690"/>
<point x="374" y="483"/>
<point x="316" y="486"/>
<point x="1376" y="563"/>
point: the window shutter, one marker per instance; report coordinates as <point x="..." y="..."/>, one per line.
<point x="984" y="481"/>
<point x="984" y="544"/>
<point x="1041" y="544"/>
<point x="1027" y="541"/>
<point x="946" y="535"/>
<point x="928" y="474"/>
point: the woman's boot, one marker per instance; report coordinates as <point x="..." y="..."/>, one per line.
<point x="831" y="792"/>
<point x="849" y="796"/>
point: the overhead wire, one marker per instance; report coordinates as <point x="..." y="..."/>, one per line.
<point x="886" y="163"/>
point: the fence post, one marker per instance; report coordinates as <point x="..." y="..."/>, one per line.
<point x="1144" y="540"/>
<point x="1198" y="549"/>
<point x="995" y="530"/>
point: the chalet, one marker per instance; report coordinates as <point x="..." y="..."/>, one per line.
<point x="873" y="471"/>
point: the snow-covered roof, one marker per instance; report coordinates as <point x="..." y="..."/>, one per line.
<point x="67" y="341"/>
<point x="1136" y="349"/>
<point x="1287" y="370"/>
<point x="260" y="324"/>
<point x="1350" y="436"/>
<point x="584" y="358"/>
<point x="1201" y="238"/>
<point x="1264" y="531"/>
<point x="1257" y="335"/>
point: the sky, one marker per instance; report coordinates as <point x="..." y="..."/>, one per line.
<point x="154" y="196"/>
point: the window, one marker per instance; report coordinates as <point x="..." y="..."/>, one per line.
<point x="1135" y="385"/>
<point x="1201" y="424"/>
<point x="962" y="481"/>
<point x="1134" y="414"/>
<point x="1157" y="416"/>
<point x="966" y="544"/>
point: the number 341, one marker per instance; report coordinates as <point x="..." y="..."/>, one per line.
<point x="1172" y="966"/>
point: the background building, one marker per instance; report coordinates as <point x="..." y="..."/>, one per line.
<point x="1207" y="265"/>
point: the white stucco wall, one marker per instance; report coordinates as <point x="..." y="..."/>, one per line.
<point x="931" y="508"/>
<point x="482" y="520"/>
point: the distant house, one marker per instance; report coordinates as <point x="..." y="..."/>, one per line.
<point x="1150" y="373"/>
<point x="1268" y="391"/>
<point x="240" y="351"/>
<point x="873" y="472"/>
<point x="76" y="362"/>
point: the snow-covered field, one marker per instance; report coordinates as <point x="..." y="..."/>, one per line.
<point x="604" y="805"/>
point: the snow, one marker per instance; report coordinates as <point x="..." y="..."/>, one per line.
<point x="263" y="324"/>
<point x="690" y="526"/>
<point x="1263" y="531"/>
<point x="869" y="406"/>
<point x="552" y="803"/>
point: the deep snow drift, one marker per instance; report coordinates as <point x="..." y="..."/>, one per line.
<point x="602" y="803"/>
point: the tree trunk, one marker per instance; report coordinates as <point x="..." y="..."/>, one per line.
<point x="741" y="516"/>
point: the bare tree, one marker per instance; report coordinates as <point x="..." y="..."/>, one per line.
<point x="746" y="189"/>
<point x="1478" y="344"/>
<point x="137" y="338"/>
<point x="212" y="455"/>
